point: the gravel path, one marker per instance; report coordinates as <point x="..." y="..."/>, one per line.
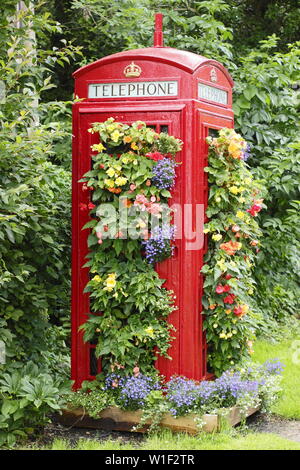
<point x="289" y="429"/>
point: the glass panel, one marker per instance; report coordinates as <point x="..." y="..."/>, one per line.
<point x="164" y="129"/>
<point x="93" y="362"/>
<point x="213" y="132"/>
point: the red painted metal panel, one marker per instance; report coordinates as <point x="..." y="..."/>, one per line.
<point x="187" y="117"/>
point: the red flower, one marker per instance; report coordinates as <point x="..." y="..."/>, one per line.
<point x="228" y="276"/>
<point x="256" y="208"/>
<point x="226" y="288"/>
<point x="229" y="299"/>
<point x="155" y="156"/>
<point x="91" y="206"/>
<point x="82" y="206"/>
<point x="238" y="311"/>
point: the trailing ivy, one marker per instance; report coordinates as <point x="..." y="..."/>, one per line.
<point x="234" y="202"/>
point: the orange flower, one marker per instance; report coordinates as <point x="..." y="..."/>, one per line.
<point x="231" y="247"/>
<point x="212" y="307"/>
<point x="115" y="190"/>
<point x="127" y="139"/>
<point x="127" y="203"/>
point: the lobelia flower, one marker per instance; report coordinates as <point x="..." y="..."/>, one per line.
<point x="158" y="247"/>
<point x="246" y="153"/>
<point x="164" y="173"/>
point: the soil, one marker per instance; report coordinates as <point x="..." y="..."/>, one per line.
<point x="55" y="430"/>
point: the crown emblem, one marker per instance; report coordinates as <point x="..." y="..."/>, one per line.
<point x="132" y="70"/>
<point x="213" y="75"/>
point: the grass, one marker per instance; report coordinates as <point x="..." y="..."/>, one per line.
<point x="288" y="407"/>
<point x="165" y="440"/>
<point x="286" y="351"/>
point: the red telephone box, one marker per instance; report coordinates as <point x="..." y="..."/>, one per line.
<point x="188" y="96"/>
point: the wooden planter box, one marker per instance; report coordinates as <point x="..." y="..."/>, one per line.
<point x="115" y="419"/>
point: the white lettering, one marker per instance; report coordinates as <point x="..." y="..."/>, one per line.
<point x="212" y="93"/>
<point x="133" y="89"/>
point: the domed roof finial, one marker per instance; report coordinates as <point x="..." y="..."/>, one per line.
<point x="158" y="32"/>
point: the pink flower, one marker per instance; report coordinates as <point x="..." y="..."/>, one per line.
<point x="219" y="289"/>
<point x="155" y="209"/>
<point x="152" y="198"/>
<point x="148" y="183"/>
<point x="132" y="187"/>
<point x="136" y="371"/>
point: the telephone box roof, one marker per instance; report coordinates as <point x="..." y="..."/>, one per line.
<point x="187" y="61"/>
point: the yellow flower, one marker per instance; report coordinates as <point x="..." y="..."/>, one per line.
<point x="109" y="183"/>
<point x="111" y="127"/>
<point x="233" y="146"/>
<point x="222" y="335"/>
<point x="134" y="146"/>
<point x="97" y="278"/>
<point x="115" y="136"/>
<point x="217" y="237"/>
<point x="241" y="199"/>
<point x="215" y="325"/>
<point x="240" y="214"/>
<point x="118" y="167"/>
<point x="250" y="291"/>
<point x="206" y="230"/>
<point x="110" y="172"/>
<point x="98" y="147"/>
<point x="125" y="160"/>
<point x="120" y="181"/>
<point x="110" y="282"/>
<point x="234" y="189"/>
<point x="149" y="331"/>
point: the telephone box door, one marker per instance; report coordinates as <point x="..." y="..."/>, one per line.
<point x="165" y="121"/>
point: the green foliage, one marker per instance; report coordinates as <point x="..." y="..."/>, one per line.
<point x="265" y="103"/>
<point x="34" y="228"/>
<point x="26" y="397"/>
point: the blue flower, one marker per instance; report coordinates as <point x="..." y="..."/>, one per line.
<point x="158" y="247"/>
<point x="164" y="173"/>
